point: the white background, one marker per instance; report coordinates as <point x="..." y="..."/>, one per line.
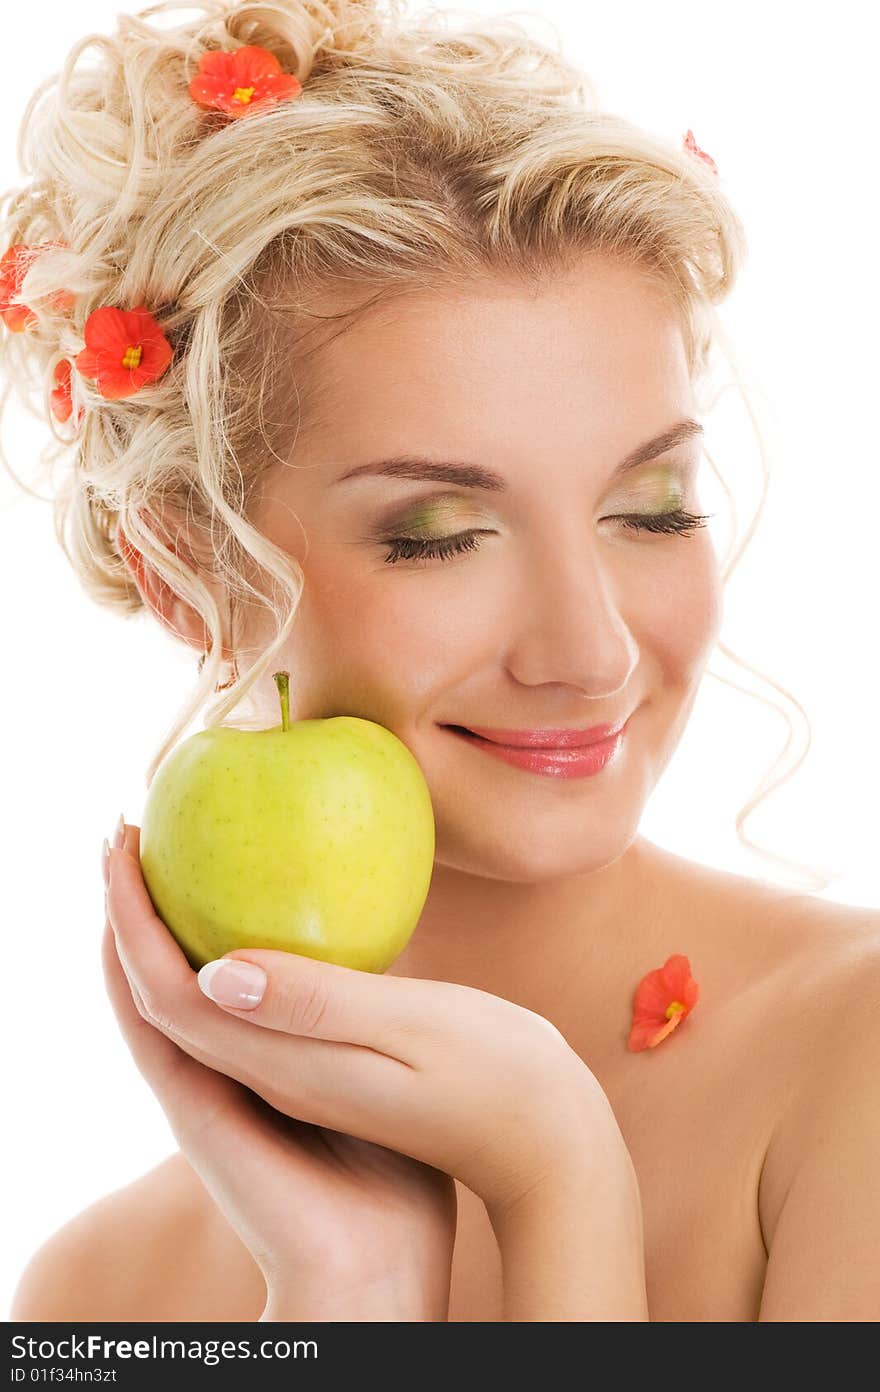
<point x="783" y="97"/>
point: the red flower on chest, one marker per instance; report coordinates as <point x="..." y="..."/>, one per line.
<point x="662" y="1000"/>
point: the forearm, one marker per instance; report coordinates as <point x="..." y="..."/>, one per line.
<point x="573" y="1247"/>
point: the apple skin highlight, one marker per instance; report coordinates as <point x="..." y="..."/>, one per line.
<point x="315" y="837"/>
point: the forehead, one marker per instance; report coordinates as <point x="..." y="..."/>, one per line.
<point x="592" y="354"/>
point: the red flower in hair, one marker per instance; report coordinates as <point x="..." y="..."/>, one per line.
<point x="663" y="998"/>
<point x="59" y="399"/>
<point x="15" y="263"/>
<point x="124" y="350"/>
<point x="691" y="145"/>
<point x="245" y="80"/>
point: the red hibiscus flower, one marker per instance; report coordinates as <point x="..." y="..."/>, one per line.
<point x="124" y="350"/>
<point x="15" y="262"/>
<point x="691" y="144"/>
<point x="663" y="998"/>
<point x="245" y="80"/>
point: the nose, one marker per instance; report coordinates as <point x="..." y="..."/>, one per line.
<point x="568" y="627"/>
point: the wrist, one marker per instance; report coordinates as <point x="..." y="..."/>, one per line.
<point x="397" y="1295"/>
<point x="573" y="1140"/>
<point x="572" y="1245"/>
<point x="594" y="1164"/>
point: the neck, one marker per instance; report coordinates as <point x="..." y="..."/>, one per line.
<point x="572" y="950"/>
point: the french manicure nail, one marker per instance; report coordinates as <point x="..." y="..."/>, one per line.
<point x="230" y="981"/>
<point x="119" y="833"/>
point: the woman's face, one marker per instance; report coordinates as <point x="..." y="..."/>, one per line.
<point x="559" y="616"/>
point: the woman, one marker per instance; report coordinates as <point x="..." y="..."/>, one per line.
<point x="422" y="336"/>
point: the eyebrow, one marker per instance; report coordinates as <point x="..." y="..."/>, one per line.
<point x="475" y="476"/>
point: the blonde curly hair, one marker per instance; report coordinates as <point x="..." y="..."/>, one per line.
<point x="415" y="155"/>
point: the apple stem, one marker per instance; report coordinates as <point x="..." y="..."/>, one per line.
<point x="282" y="681"/>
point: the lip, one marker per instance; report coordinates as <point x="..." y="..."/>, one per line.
<point x="545" y="739"/>
<point x="572" y="761"/>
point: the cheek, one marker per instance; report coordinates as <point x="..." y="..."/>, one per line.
<point x="381" y="644"/>
<point x="373" y="645"/>
<point x="679" y="615"/>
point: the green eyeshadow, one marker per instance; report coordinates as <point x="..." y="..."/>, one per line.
<point x="432" y="518"/>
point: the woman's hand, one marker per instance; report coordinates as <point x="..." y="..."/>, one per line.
<point x="341" y="1228"/>
<point x="461" y="1080"/>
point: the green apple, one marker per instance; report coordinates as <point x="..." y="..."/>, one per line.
<point x="314" y="837"/>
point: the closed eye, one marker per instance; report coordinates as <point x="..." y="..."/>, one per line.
<point x="678" y="522"/>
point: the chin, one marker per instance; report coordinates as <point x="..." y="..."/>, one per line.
<point x="559" y="849"/>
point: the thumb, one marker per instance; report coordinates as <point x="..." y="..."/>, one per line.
<point x="304" y="996"/>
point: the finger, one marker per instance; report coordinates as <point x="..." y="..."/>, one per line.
<point x="233" y="1141"/>
<point x="161" y="980"/>
<point x="302" y="996"/>
<point x="306" y="997"/>
<point x="331" y="1084"/>
<point x="152" y="955"/>
<point x="186" y="1089"/>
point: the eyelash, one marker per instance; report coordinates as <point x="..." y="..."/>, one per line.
<point x="443" y="548"/>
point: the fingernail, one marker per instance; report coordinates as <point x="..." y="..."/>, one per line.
<point x="230" y="981"/>
<point x="119" y="833"/>
<point x="105" y="863"/>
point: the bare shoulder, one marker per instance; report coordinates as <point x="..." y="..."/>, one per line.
<point x="157" y="1249"/>
<point x="793" y="981"/>
<point x="789" y="950"/>
<point x="818" y="1208"/>
<point x="822" y="1016"/>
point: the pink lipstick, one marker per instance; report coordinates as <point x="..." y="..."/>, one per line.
<point x="546" y="739"/>
<point x="555" y="753"/>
